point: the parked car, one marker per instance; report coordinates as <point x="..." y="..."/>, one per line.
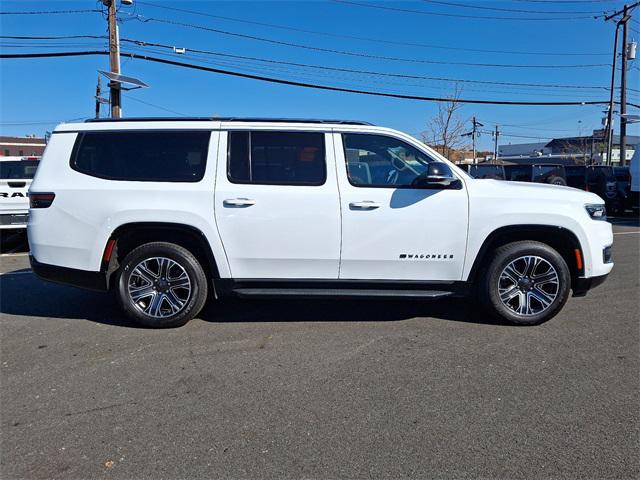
<point x="486" y="170"/>
<point x="16" y="174"/>
<point x="634" y="171"/>
<point x="538" y="173"/>
<point x="623" y="181"/>
<point x="599" y="179"/>
<point x="168" y="212"/>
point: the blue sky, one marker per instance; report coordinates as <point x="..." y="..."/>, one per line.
<point x="36" y="94"/>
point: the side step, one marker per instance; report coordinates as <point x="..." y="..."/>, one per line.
<point x="336" y="292"/>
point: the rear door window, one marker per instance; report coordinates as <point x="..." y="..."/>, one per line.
<point x="146" y="156"/>
<point x="276" y="158"/>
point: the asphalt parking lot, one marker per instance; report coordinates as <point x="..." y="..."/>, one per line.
<point x="320" y="389"/>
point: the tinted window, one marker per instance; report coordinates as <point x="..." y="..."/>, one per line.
<point x="18" y="169"/>
<point x="381" y="161"/>
<point x="518" y="173"/>
<point x="162" y="156"/>
<point x="277" y="158"/>
<point x="487" y="171"/>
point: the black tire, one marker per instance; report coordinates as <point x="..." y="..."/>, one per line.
<point x="490" y="283"/>
<point x="555" y="180"/>
<point x="189" y="298"/>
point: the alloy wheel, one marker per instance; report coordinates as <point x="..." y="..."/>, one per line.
<point x="159" y="287"/>
<point x="528" y="285"/>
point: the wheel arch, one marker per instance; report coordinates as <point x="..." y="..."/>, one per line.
<point x="561" y="239"/>
<point x="128" y="236"/>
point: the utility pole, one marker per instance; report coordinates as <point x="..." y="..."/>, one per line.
<point x="114" y="58"/>
<point x="495" y="145"/>
<point x="473" y="140"/>
<point x="98" y="92"/>
<point x="623" y="91"/>
<point x="625" y="12"/>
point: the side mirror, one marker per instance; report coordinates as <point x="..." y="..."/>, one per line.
<point x="438" y="175"/>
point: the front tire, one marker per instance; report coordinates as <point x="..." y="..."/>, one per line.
<point x="525" y="283"/>
<point x="161" y="285"/>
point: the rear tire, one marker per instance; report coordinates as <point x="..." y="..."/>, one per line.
<point x="161" y="285"/>
<point x="555" y="180"/>
<point x="525" y="283"/>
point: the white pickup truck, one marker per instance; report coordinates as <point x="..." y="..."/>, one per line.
<point x="16" y="174"/>
<point x="169" y="212"/>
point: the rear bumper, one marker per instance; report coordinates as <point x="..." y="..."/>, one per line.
<point x="70" y="276"/>
<point x="581" y="286"/>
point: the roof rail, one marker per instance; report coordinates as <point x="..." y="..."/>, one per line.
<point x="225" y="119"/>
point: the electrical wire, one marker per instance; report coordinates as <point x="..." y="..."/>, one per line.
<point x="305" y="84"/>
<point x="154" y="105"/>
<point x="457" y="15"/>
<point x="363" y="55"/>
<point x="514" y="10"/>
<point x="339" y="78"/>
<point x="366" y="39"/>
<point x="50" y="12"/>
<point x="367" y="72"/>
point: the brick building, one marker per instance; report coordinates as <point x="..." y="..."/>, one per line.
<point x="21" y="146"/>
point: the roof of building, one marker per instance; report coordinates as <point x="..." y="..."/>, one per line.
<point x="23" y="140"/>
<point x="521" y="148"/>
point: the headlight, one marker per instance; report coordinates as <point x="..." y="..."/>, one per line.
<point x="596" y="212"/>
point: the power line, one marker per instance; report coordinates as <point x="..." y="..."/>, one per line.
<point x="49" y="12"/>
<point x="368" y="72"/>
<point x="364" y="55"/>
<point x="315" y="75"/>
<point x="154" y="105"/>
<point x="303" y="84"/>
<point x="306" y="65"/>
<point x="515" y="10"/>
<point x="366" y="39"/>
<point x="51" y="37"/>
<point x="440" y="14"/>
<point x="568" y="1"/>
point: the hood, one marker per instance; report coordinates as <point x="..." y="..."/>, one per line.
<point x="531" y="191"/>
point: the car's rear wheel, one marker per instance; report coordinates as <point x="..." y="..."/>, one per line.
<point x="525" y="283"/>
<point x="161" y="285"/>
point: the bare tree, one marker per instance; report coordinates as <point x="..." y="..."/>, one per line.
<point x="446" y="127"/>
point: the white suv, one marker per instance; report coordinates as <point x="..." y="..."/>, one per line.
<point x="167" y="212"/>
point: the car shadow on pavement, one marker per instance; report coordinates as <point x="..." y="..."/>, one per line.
<point x="22" y="293"/>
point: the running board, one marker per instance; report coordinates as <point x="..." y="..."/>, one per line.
<point x="334" y="292"/>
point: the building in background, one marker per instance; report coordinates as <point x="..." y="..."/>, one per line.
<point x="569" y="150"/>
<point x="29" y="146"/>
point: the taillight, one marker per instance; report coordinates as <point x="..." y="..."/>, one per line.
<point x="41" y="200"/>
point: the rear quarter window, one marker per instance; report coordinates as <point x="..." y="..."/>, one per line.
<point x="144" y="156"/>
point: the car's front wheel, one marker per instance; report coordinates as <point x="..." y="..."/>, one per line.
<point x="525" y="283"/>
<point x="161" y="285"/>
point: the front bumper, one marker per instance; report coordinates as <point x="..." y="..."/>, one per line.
<point x="582" y="285"/>
<point x="70" y="276"/>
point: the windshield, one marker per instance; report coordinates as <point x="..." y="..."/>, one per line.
<point x="18" y="169"/>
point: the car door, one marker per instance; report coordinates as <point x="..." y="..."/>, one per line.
<point x="391" y="230"/>
<point x="276" y="204"/>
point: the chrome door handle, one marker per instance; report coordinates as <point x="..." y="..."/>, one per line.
<point x="364" y="205"/>
<point x="238" y="202"/>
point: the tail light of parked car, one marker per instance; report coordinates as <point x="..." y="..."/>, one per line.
<point x="41" y="200"/>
